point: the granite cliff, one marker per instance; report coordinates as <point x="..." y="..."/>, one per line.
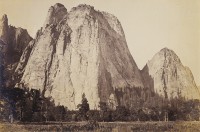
<point x="85" y="51"/>
<point x="13" y="42"/>
<point x="79" y="51"/>
<point x="169" y="78"/>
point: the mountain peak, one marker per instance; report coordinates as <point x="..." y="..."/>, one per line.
<point x="165" y="49"/>
<point x="4" y="21"/>
<point x="85" y="6"/>
<point x="58" y="8"/>
<point x="58" y="5"/>
<point x="168" y="54"/>
<point x="82" y="7"/>
<point x="170" y="76"/>
<point x="4" y="28"/>
<point x="4" y="18"/>
<point x="55" y="14"/>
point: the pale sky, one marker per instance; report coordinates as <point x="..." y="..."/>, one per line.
<point x="149" y="25"/>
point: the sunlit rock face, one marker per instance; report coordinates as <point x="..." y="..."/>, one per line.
<point x="170" y="78"/>
<point x="13" y="42"/>
<point x="76" y="52"/>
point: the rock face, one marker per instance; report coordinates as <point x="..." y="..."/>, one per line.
<point x="76" y="52"/>
<point x="13" y="41"/>
<point x="4" y="28"/>
<point x="169" y="77"/>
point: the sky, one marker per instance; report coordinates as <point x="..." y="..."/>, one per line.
<point x="149" y="25"/>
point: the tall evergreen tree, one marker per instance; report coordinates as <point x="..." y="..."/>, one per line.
<point x="83" y="107"/>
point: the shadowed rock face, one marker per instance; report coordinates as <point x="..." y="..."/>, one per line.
<point x="76" y="52"/>
<point x="13" y="42"/>
<point x="4" y="28"/>
<point x="170" y="78"/>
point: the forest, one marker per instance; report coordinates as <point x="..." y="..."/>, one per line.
<point x="31" y="106"/>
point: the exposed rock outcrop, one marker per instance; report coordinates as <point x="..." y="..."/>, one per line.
<point x="170" y="78"/>
<point x="85" y="51"/>
<point x="76" y="52"/>
<point x="13" y="42"/>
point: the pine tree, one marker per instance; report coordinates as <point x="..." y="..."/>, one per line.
<point x="83" y="107"/>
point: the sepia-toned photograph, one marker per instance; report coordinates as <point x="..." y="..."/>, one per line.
<point x="100" y="65"/>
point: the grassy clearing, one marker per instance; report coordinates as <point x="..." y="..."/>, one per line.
<point x="103" y="127"/>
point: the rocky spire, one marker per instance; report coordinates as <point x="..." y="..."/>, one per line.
<point x="13" y="41"/>
<point x="55" y="14"/>
<point x="4" y="28"/>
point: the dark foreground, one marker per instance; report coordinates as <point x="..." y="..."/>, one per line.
<point x="103" y="127"/>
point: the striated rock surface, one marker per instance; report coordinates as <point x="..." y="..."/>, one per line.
<point x="76" y="52"/>
<point x="169" y="77"/>
<point x="4" y="33"/>
<point x="4" y="28"/>
<point x="13" y="41"/>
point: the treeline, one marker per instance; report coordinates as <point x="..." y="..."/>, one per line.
<point x="30" y="106"/>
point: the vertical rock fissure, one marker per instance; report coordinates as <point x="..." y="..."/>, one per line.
<point x="163" y="76"/>
<point x="19" y="72"/>
<point x="70" y="79"/>
<point x="53" y="43"/>
<point x="67" y="39"/>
